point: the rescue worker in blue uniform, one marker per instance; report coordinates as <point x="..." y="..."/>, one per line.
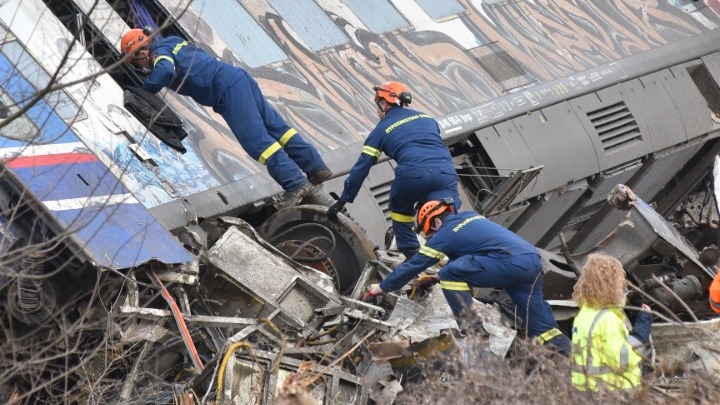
<point x="424" y="169"/>
<point x="481" y="253"/>
<point x="233" y="93"/>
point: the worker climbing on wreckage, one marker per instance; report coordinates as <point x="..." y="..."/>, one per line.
<point x="424" y="169"/>
<point x="481" y="254"/>
<point x="181" y="66"/>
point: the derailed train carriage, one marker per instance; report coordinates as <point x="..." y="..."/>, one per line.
<point x="545" y="106"/>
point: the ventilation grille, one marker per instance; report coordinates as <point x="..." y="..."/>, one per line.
<point x="616" y="127"/>
<point x="381" y="193"/>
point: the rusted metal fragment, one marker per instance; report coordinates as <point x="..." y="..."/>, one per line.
<point x="389" y="350"/>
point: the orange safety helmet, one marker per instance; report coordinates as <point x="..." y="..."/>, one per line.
<point x="394" y="93"/>
<point x="133" y="40"/>
<point x="431" y="210"/>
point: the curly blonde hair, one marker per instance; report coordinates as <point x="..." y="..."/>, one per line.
<point x="601" y="283"/>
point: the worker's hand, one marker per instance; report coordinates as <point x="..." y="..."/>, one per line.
<point x="372" y="292"/>
<point x="145" y="72"/>
<point x="645" y="308"/>
<point x="335" y="209"/>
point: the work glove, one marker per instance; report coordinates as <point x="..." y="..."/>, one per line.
<point x="371" y="293"/>
<point x="426" y="281"/>
<point x="335" y="209"/>
<point x="423" y="283"/>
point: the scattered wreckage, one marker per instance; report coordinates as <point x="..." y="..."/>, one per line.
<point x="257" y="313"/>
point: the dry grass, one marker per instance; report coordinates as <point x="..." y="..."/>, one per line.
<point x="534" y="375"/>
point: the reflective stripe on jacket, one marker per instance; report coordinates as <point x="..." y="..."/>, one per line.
<point x="602" y="355"/>
<point x="715" y="294"/>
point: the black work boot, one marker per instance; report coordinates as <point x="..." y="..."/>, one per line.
<point x="320" y="176"/>
<point x="293" y="198"/>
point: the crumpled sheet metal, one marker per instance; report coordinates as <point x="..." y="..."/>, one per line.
<point x="267" y="277"/>
<point x="435" y="319"/>
<point x="692" y="344"/>
<point x="501" y="334"/>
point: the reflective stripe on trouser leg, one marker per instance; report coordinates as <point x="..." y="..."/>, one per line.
<point x="411" y="185"/>
<point x="247" y="125"/>
<point x="298" y="149"/>
<point x="547" y="335"/>
<point x="402" y="226"/>
<point x="457" y="294"/>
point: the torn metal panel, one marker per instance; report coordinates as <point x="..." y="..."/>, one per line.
<point x="501" y="335"/>
<point x="263" y="274"/>
<point x="687" y="344"/>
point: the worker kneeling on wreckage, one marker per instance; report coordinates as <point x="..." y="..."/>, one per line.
<point x="482" y="254"/>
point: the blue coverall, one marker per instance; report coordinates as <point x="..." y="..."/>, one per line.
<point x="424" y="168"/>
<point x="484" y="254"/>
<point x="234" y="94"/>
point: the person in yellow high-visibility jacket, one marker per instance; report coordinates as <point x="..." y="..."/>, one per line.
<point x="715" y="293"/>
<point x="605" y="355"/>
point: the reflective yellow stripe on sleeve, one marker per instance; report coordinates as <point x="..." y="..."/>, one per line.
<point x="548" y="335"/>
<point x="454" y="285"/>
<point x="161" y="57"/>
<point x="431" y="253"/>
<point x="369" y="150"/>
<point x="286" y="136"/>
<point x="178" y="47"/>
<point x="269" y="152"/>
<point x="397" y="217"/>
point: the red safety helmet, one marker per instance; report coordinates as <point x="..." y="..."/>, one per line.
<point x="394" y="93"/>
<point x="431" y="210"/>
<point x="133" y="40"/>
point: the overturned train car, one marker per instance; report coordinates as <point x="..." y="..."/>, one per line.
<point x="127" y="260"/>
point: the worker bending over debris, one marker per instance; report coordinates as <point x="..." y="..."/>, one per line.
<point x="424" y="166"/>
<point x="188" y="70"/>
<point x="605" y="355"/>
<point x="481" y="254"/>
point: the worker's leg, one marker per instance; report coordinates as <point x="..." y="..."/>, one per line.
<point x="443" y="183"/>
<point x="239" y="110"/>
<point x="535" y="312"/>
<point x="458" y="296"/>
<point x="457" y="292"/>
<point x="412" y="184"/>
<point x="299" y="150"/>
<point x="522" y="278"/>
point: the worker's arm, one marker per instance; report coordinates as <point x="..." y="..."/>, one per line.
<point x="407" y="271"/>
<point x="372" y="149"/>
<point x="163" y="71"/>
<point x="443" y="243"/>
<point x="357" y="175"/>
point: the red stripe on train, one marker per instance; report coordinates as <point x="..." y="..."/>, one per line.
<point x="48" y="160"/>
